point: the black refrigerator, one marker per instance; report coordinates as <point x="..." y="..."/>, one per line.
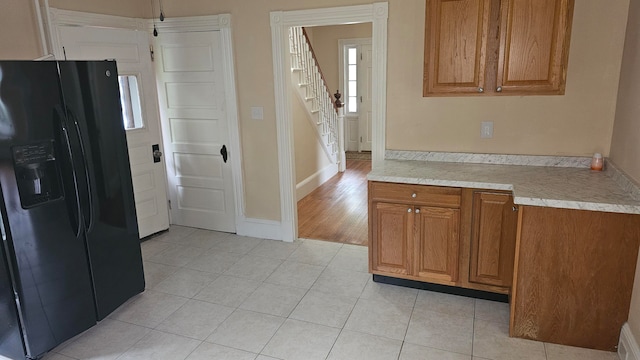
<point x="70" y="251"/>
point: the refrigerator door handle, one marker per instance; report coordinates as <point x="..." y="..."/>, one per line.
<point x="67" y="145"/>
<point x="90" y="220"/>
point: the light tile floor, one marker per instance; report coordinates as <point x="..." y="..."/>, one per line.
<point x="214" y="295"/>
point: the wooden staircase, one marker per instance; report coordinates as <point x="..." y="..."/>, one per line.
<point x="311" y="87"/>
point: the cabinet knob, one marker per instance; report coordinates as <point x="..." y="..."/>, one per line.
<point x="514" y="208"/>
<point x="417" y="211"/>
<point x="499" y="89"/>
<point x="480" y="89"/>
<point x="409" y="210"/>
<point x="414" y="195"/>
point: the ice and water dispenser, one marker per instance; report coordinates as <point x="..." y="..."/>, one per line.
<point x="36" y="173"/>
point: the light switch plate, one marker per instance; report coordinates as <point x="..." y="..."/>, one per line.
<point x="486" y="129"/>
<point x="257" y="113"/>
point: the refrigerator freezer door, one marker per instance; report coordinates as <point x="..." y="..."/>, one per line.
<point x="92" y="101"/>
<point x="46" y="252"/>
<point x="10" y="338"/>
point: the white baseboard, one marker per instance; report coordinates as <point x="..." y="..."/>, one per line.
<point x="312" y="182"/>
<point x="258" y="228"/>
<point x="628" y="347"/>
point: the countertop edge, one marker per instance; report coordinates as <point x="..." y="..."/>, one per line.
<point x="519" y="200"/>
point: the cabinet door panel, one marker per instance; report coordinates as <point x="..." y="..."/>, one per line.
<point x="493" y="239"/>
<point x="534" y="42"/>
<point x="390" y="243"/>
<point x="437" y="243"/>
<point x="455" y="45"/>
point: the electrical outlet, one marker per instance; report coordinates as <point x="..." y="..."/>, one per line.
<point x="486" y="129"/>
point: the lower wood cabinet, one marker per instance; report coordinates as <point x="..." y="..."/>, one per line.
<point x="450" y="236"/>
<point x="416" y="231"/>
<point x="436" y="243"/>
<point x="569" y="273"/>
<point x="493" y="238"/>
<point x="392" y="225"/>
<point x="574" y="275"/>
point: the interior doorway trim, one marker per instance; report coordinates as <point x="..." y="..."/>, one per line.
<point x="281" y="21"/>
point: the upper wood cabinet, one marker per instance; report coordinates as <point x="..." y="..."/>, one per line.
<point x="455" y="46"/>
<point x="496" y="47"/>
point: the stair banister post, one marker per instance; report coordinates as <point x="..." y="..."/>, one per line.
<point x="342" y="158"/>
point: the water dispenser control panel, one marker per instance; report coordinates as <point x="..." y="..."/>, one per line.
<point x="36" y="173"/>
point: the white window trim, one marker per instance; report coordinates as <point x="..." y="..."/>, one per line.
<point x="342" y="62"/>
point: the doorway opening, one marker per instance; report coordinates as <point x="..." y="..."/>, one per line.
<point x="281" y="22"/>
<point x="335" y="208"/>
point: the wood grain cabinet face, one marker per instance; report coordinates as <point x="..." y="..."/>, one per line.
<point x="455" y="46"/>
<point x="437" y="243"/>
<point x="496" y="47"/>
<point x="574" y="276"/>
<point x="391" y="228"/>
<point x="534" y="46"/>
<point x="414" y="231"/>
<point x="493" y="239"/>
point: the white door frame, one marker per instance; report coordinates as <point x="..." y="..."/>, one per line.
<point x="222" y="23"/>
<point x="376" y="13"/>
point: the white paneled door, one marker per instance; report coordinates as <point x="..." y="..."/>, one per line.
<point x="364" y="89"/>
<point x="195" y="129"/>
<point x="130" y="49"/>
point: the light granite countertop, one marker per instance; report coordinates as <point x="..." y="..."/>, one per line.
<point x="550" y="186"/>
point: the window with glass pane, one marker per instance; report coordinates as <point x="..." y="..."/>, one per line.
<point x="352" y="80"/>
<point x="130" y="102"/>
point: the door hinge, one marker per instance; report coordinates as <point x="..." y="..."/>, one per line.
<point x="360" y="98"/>
<point x="169" y="202"/>
<point x="151" y="53"/>
<point x="360" y="56"/>
<point x="360" y="138"/>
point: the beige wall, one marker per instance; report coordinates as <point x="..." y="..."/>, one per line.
<point x="19" y="33"/>
<point x="325" y="44"/>
<point x="310" y="157"/>
<point x="625" y="145"/>
<point x="578" y="123"/>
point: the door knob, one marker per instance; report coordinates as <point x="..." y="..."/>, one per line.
<point x="157" y="154"/>
<point x="223" y="152"/>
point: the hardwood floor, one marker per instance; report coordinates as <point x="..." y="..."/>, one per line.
<point x="337" y="210"/>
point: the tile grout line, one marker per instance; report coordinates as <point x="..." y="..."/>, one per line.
<point x="473" y="326"/>
<point x="406" y="331"/>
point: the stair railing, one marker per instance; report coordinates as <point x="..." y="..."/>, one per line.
<point x="316" y="90"/>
